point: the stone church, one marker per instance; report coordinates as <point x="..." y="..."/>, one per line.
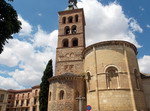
<point x="104" y="75"/>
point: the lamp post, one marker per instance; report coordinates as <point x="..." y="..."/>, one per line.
<point x="80" y="102"/>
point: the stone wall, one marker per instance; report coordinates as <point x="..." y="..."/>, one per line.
<point x="72" y="88"/>
<point x="113" y="77"/>
<point x="146" y="87"/>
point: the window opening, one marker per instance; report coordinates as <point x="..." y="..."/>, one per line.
<point x="74" y="29"/>
<point x="65" y="43"/>
<point x="76" y="18"/>
<point x="75" y="42"/>
<point x="61" y="95"/>
<point x="70" y="19"/>
<point x="2" y="97"/>
<point x="64" y="20"/>
<point x="36" y="92"/>
<point x="67" y="30"/>
<point x="112" y="77"/>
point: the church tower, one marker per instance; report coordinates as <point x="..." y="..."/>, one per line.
<point x="71" y="41"/>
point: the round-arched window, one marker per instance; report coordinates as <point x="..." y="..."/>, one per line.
<point x="67" y="30"/>
<point x="61" y="95"/>
<point x="75" y="42"/>
<point x="64" y="20"/>
<point x="76" y="18"/>
<point x="70" y="19"/>
<point x="112" y="77"/>
<point x="74" y="29"/>
<point x="65" y="43"/>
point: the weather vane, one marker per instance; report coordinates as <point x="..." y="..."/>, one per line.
<point x="72" y="3"/>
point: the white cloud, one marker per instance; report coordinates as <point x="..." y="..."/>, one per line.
<point x="9" y="83"/>
<point x="144" y="64"/>
<point x="26" y="27"/>
<point x="134" y="25"/>
<point x="29" y="58"/>
<point x="102" y="23"/>
<point x="148" y="26"/>
<point x="108" y="22"/>
<point x="44" y="39"/>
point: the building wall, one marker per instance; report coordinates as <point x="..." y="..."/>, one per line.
<point x="72" y="88"/>
<point x="69" y="58"/>
<point x="146" y="87"/>
<point x="23" y="100"/>
<point x="120" y="90"/>
<point x="3" y="99"/>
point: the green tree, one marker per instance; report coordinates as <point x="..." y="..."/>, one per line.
<point x="9" y="23"/>
<point x="44" y="87"/>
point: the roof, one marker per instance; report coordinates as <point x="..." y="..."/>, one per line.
<point x="145" y="76"/>
<point x="2" y="89"/>
<point x="23" y="90"/>
<point x="113" y="42"/>
<point x="20" y="91"/>
<point x="66" y="76"/>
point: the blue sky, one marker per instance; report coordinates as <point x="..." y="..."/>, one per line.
<point x="25" y="57"/>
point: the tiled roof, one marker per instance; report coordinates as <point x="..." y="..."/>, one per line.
<point x="145" y="76"/>
<point x="66" y="76"/>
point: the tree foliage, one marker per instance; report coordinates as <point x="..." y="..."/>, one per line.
<point x="44" y="87"/>
<point x="9" y="23"/>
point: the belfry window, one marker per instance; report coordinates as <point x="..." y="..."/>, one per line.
<point x="76" y="18"/>
<point x="65" y="43"/>
<point x="75" y="42"/>
<point x="137" y="82"/>
<point x="61" y="95"/>
<point x="64" y="20"/>
<point x="67" y="30"/>
<point x="70" y="19"/>
<point x="112" y="78"/>
<point x="74" y="29"/>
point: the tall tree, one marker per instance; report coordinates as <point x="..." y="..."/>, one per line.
<point x="44" y="87"/>
<point x="9" y="23"/>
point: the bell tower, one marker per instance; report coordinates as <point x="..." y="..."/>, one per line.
<point x="71" y="41"/>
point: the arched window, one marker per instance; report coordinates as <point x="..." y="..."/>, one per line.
<point x="36" y="92"/>
<point x="75" y="42"/>
<point x="88" y="76"/>
<point x="18" y="96"/>
<point x="74" y="29"/>
<point x="61" y="95"/>
<point x="67" y="30"/>
<point x="28" y="95"/>
<point x="112" y="77"/>
<point x="65" y="43"/>
<point x="64" y="20"/>
<point x="22" y="96"/>
<point x="50" y="96"/>
<point x="137" y="82"/>
<point x="76" y="18"/>
<point x="70" y="19"/>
